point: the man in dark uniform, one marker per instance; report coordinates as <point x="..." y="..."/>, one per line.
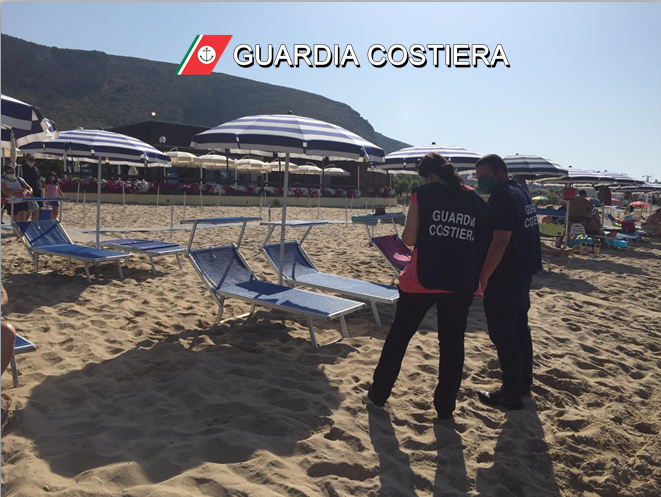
<point x="32" y="177"/>
<point x="514" y="256"/>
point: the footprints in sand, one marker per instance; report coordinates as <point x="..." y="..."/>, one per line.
<point x="342" y="470"/>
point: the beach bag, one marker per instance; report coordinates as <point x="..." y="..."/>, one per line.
<point x="628" y="226"/>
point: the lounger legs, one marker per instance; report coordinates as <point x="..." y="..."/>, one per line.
<point x="252" y="310"/>
<point x="119" y="268"/>
<point x="87" y="272"/>
<point x="151" y="261"/>
<point x="36" y="263"/>
<point x="179" y="261"/>
<point x="313" y="337"/>
<point x="343" y="322"/>
<point x="14" y="372"/>
<point x="377" y="319"/>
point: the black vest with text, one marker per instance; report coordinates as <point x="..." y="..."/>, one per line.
<point x="524" y="248"/>
<point x="452" y="238"/>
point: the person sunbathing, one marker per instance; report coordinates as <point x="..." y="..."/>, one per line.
<point x="653" y="224"/>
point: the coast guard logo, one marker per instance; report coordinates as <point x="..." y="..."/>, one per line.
<point x="206" y="54"/>
<point x="203" y="54"/>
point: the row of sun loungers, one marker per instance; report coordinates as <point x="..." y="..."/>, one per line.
<point x="225" y="271"/>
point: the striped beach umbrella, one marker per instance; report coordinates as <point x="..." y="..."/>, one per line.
<point x="461" y="158"/>
<point x="624" y="179"/>
<point x="533" y="167"/>
<point x="21" y="124"/>
<point x="288" y="134"/>
<point x="105" y="147"/>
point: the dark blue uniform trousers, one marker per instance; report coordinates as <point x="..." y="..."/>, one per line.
<point x="506" y="305"/>
<point x="411" y="309"/>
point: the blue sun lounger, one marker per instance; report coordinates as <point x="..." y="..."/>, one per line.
<point x="298" y="269"/>
<point x="149" y="248"/>
<point x="22" y="346"/>
<point x="227" y="275"/>
<point x="49" y="238"/>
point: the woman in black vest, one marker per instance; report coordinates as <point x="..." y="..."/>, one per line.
<point x="447" y="223"/>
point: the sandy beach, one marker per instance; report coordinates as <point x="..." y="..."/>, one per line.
<point x="134" y="391"/>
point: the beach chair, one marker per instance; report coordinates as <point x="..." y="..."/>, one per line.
<point x="149" y="248"/>
<point x="227" y="275"/>
<point x="396" y="252"/>
<point x="22" y="346"/>
<point x="49" y="238"/>
<point x="298" y="269"/>
<point x="391" y="247"/>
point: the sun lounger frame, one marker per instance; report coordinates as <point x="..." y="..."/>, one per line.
<point x="35" y="252"/>
<point x="371" y="299"/>
<point x="23" y="346"/>
<point x="219" y="295"/>
<point x="169" y="249"/>
<point x="392" y="217"/>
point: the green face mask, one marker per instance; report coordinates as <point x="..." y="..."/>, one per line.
<point x="486" y="184"/>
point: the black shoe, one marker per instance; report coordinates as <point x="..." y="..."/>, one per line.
<point x="496" y="397"/>
<point x="526" y="391"/>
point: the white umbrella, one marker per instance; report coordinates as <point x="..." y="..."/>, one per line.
<point x="288" y="134"/>
<point x="336" y="171"/>
<point x="104" y="146"/>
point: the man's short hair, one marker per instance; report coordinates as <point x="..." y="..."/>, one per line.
<point x="495" y="162"/>
<point x="583" y="192"/>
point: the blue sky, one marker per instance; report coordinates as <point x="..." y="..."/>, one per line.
<point x="583" y="89"/>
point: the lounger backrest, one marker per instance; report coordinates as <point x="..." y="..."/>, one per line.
<point x="222" y="266"/>
<point x="394" y="249"/>
<point x="295" y="263"/>
<point x="43" y="233"/>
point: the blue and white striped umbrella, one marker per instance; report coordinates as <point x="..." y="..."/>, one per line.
<point x="282" y="134"/>
<point x="105" y="147"/>
<point x="578" y="177"/>
<point x="92" y="145"/>
<point x="289" y="135"/>
<point x="405" y="159"/>
<point x="534" y="167"/>
<point x="623" y="179"/>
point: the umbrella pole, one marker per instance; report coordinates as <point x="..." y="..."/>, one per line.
<point x="284" y="217"/>
<point x="346" y="209"/>
<point x="183" y="214"/>
<point x="78" y="192"/>
<point x="84" y="213"/>
<point x="171" y="218"/>
<point x="201" y="175"/>
<point x="158" y="194"/>
<point x="566" y="223"/>
<point x="98" y="204"/>
<point x="123" y="196"/>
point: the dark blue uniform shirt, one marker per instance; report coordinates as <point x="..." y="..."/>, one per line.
<point x="32" y="177"/>
<point x="512" y="209"/>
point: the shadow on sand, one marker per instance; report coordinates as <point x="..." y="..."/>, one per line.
<point x="520" y="452"/>
<point x="176" y="403"/>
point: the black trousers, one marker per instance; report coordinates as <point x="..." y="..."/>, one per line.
<point x="411" y="309"/>
<point x="506" y="305"/>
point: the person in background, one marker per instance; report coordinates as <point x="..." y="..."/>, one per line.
<point x="32" y="177"/>
<point x="447" y="223"/>
<point x="52" y="189"/>
<point x="653" y="224"/>
<point x="593" y="225"/>
<point x="513" y="258"/>
<point x="13" y="186"/>
<point x="8" y="336"/>
<point x="580" y="210"/>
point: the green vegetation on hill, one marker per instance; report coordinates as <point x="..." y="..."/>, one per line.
<point x="92" y="89"/>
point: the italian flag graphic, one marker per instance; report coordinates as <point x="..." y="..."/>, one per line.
<point x="203" y="54"/>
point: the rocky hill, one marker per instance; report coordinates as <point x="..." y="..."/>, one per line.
<point x="92" y="89"/>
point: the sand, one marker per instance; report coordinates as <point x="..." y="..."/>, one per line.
<point x="135" y="392"/>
